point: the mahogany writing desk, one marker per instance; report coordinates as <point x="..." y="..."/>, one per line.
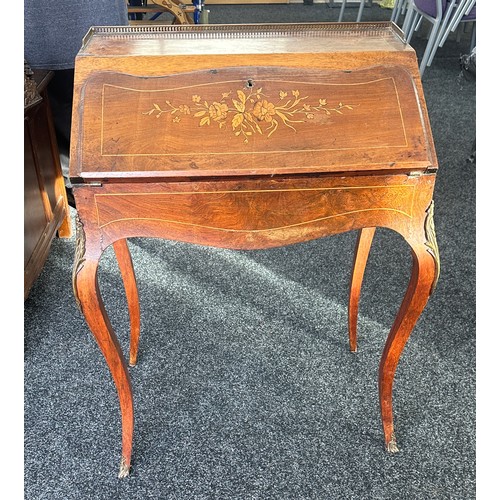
<point x="302" y="131"/>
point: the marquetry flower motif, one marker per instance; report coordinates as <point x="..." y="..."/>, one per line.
<point x="218" y="111"/>
<point x="250" y="112"/>
<point x="264" y="110"/>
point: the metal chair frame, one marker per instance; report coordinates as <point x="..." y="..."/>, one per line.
<point x="443" y="23"/>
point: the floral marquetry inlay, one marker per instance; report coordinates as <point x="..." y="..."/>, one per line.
<point x="250" y="112"/>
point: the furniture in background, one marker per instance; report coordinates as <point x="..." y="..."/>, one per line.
<point x="46" y="212"/>
<point x="464" y="12"/>
<point x="181" y="13"/>
<point x="331" y="4"/>
<point x="398" y="9"/>
<point x="444" y="16"/>
<point x="289" y="147"/>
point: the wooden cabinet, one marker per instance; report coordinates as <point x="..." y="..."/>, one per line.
<point x="250" y="137"/>
<point x="46" y="210"/>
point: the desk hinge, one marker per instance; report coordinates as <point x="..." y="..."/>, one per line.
<point x="94" y="184"/>
<point x="419" y="173"/>
<point x="416" y="173"/>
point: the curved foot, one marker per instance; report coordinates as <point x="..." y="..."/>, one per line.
<point x="392" y="446"/>
<point x="124" y="260"/>
<point x="363" y="245"/>
<point x="124" y="468"/>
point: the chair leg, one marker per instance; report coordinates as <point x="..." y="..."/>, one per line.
<point x="407" y="20"/>
<point x="397" y="10"/>
<point x="411" y="22"/>
<point x="429" y="47"/>
<point x="441" y="36"/>
<point x="360" y="11"/>
<point x="342" y="9"/>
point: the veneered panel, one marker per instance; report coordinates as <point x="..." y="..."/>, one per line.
<point x="251" y="120"/>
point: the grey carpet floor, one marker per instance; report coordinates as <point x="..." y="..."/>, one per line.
<point x="245" y="387"/>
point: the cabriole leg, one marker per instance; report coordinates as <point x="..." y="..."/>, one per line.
<point x="89" y="299"/>
<point x="422" y="281"/>
<point x="127" y="270"/>
<point x="363" y="245"/>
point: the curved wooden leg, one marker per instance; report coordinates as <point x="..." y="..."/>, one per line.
<point x="423" y="277"/>
<point x="89" y="299"/>
<point x="363" y="245"/>
<point x="127" y="270"/>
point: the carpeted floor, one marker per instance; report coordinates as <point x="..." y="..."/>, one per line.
<point x="245" y="387"/>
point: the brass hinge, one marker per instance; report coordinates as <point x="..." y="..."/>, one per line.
<point x="415" y="173"/>
<point x="419" y="173"/>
